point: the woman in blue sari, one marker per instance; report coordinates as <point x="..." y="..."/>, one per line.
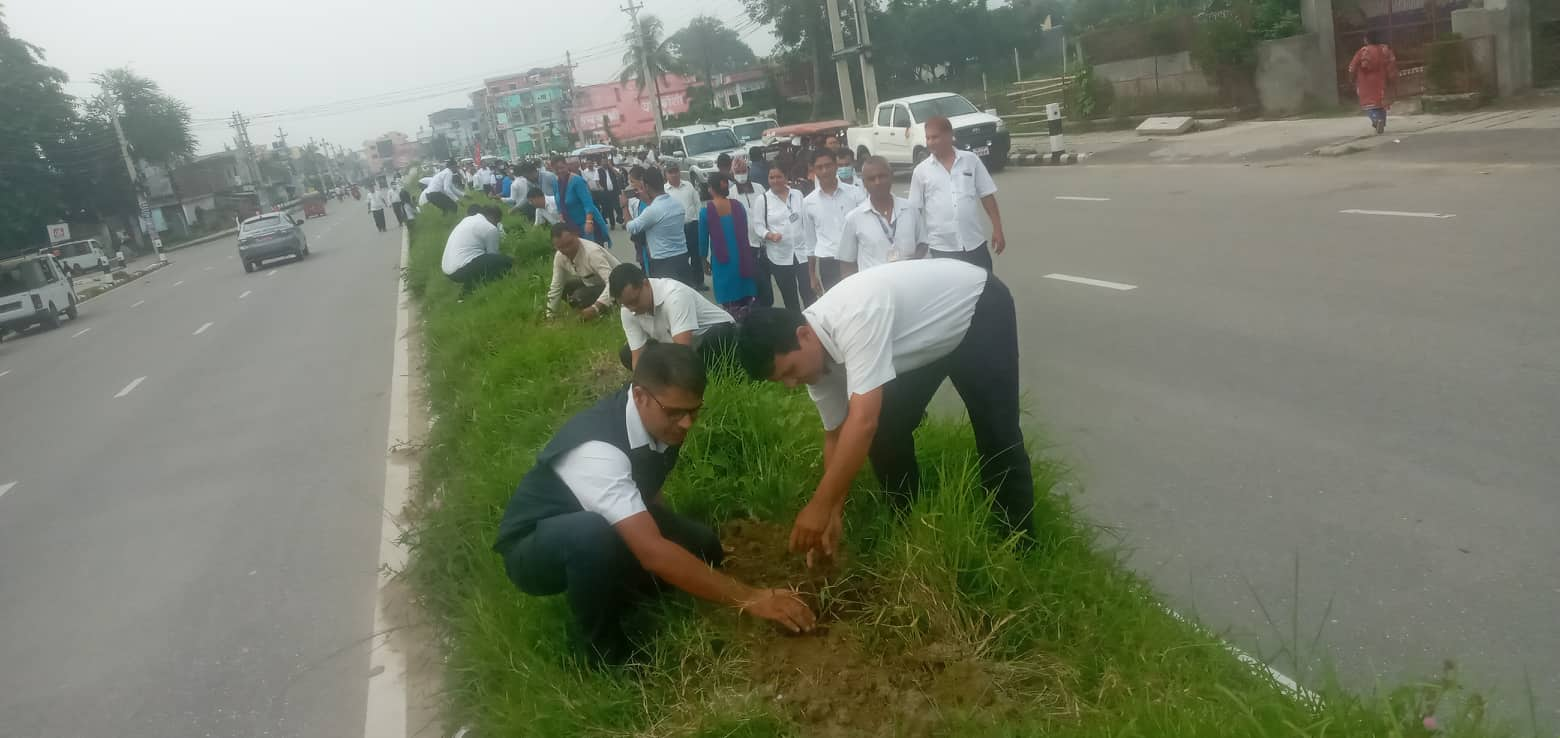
<point x="578" y="205"/>
<point x="724" y="243"/>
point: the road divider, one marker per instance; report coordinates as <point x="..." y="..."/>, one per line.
<point x="130" y="387"/>
<point x="1121" y="286"/>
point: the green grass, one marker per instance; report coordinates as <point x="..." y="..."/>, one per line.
<point x="936" y="627"/>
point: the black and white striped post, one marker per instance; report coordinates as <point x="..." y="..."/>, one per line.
<point x="1053" y="124"/>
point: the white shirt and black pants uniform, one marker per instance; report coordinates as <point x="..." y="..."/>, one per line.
<point x="949" y="200"/>
<point x="471" y="254"/>
<point x="906" y="326"/>
<point x="443" y="191"/>
<point x="557" y="533"/>
<point x="608" y="186"/>
<point x="378" y="199"/>
<point x="787" y="256"/>
<point x="825" y="223"/>
<point x="678" y="309"/>
<point x="687" y="196"/>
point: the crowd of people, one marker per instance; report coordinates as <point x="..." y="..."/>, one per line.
<point x="880" y="298"/>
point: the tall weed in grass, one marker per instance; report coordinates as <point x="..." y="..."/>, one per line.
<point x="935" y="625"/>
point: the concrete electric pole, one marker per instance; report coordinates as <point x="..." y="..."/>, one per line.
<point x="864" y="43"/>
<point x="240" y="126"/>
<point x="841" y="65"/>
<point x="147" y="226"/>
<point x="644" y="64"/>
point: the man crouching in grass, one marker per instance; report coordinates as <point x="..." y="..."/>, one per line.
<point x="588" y="520"/>
<point x="872" y="352"/>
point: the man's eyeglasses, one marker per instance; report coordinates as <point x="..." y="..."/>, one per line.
<point x="676" y="414"/>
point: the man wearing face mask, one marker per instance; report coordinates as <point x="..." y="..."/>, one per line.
<point x="825" y="210"/>
<point x="845" y="167"/>
<point x="588" y="521"/>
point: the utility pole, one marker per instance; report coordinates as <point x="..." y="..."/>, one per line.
<point x="868" y="74"/>
<point x="841" y="66"/>
<point x="135" y="182"/>
<point x="644" y="64"/>
<point x="240" y="126"/>
<point x="292" y="174"/>
<point x="567" y="106"/>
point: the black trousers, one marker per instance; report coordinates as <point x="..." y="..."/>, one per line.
<point x="482" y="269"/>
<point x="766" y="289"/>
<point x="400" y="213"/>
<point x="671" y="267"/>
<point x="607" y="203"/>
<point x="984" y="370"/>
<point x="793" y="283"/>
<point x="442" y="201"/>
<point x="718" y="344"/>
<point x="379" y="219"/>
<point x="580" y="294"/>
<point x="695" y="276"/>
<point x="582" y="557"/>
<point x="979" y="256"/>
<point x="828" y="271"/>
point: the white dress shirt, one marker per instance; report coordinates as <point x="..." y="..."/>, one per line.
<point x="548" y="214"/>
<point x="949" y="201"/>
<point x="889" y="320"/>
<point x="444" y="182"/>
<point x="592" y="177"/>
<point x="377" y="199"/>
<point x="601" y="476"/>
<point x="782" y="215"/>
<point x="518" y="189"/>
<point x="826" y="217"/>
<point x="688" y="197"/>
<point x="871" y="239"/>
<point x="473" y="236"/>
<point x="678" y="309"/>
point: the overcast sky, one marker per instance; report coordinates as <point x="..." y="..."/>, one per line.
<point x="336" y="70"/>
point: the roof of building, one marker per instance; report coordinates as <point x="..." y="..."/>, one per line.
<point x="451" y="115"/>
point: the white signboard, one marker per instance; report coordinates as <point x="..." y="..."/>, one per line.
<point x="59" y="232"/>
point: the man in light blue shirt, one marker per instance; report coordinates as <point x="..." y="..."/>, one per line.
<point x="662" y="223"/>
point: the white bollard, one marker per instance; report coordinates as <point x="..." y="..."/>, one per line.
<point x="1053" y="122"/>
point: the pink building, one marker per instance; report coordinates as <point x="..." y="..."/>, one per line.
<point x="627" y="112"/>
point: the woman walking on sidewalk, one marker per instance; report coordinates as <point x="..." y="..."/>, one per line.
<point x="1373" y="68"/>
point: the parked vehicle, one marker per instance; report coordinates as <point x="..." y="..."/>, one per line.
<point x="80" y="257"/>
<point x="897" y="131"/>
<point x="34" y="290"/>
<point x="695" y="149"/>
<point x="270" y="236"/>
<point x="750" y="129"/>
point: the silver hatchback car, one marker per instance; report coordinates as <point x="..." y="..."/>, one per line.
<point x="269" y="236"/>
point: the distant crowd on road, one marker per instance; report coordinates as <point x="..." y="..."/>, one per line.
<point x="882" y="298"/>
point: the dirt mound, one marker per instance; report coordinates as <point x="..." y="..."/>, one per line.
<point x="844" y="680"/>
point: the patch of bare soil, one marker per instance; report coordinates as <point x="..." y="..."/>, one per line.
<point x="842" y="680"/>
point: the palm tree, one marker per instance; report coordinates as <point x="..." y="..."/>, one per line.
<point x="647" y="51"/>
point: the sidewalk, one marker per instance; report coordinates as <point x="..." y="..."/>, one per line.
<point x="1271" y="140"/>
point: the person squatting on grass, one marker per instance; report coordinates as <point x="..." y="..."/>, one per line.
<point x="471" y="254"/>
<point x="872" y="352"/>
<point x="665" y="310"/>
<point x="581" y="270"/>
<point x="588" y="520"/>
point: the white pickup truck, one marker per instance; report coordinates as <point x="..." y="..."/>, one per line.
<point x="898" y="130"/>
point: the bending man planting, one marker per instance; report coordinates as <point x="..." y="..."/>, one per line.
<point x="872" y="352"/>
<point x="588" y="520"/>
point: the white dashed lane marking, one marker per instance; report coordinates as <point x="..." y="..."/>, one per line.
<point x="1092" y="282"/>
<point x="1078" y="198"/>
<point x="176" y="284"/>
<point x="138" y="303"/>
<point x="244" y="294"/>
<point x="4" y="488"/>
<point x="131" y="386"/>
<point x="8" y="371"/>
<point x="201" y="329"/>
<point x="1399" y="213"/>
<point x="80" y="333"/>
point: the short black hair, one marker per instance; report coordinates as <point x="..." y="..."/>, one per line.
<point x="653" y="179"/>
<point x="473" y="209"/>
<point x="718" y="183"/>
<point x="663" y="365"/>
<point x="723" y="161"/>
<point x="671" y="166"/>
<point x="624" y="276"/>
<point x="766" y="333"/>
<point x="637" y="172"/>
<point x="822" y="154"/>
<point x="493" y="212"/>
<point x="844" y="154"/>
<point x="534" y="192"/>
<point x="559" y="229"/>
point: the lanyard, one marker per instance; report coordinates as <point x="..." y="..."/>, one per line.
<point x="884" y="224"/>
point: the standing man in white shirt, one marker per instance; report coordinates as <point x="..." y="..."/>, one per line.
<point x="872" y="352"/>
<point x="588" y="520"/>
<point x="825" y="209"/>
<point x="444" y="188"/>
<point x="377" y="202"/>
<point x="687" y="196"/>
<point x="950" y="188"/>
<point x="471" y="254"/>
<point x="778" y="225"/>
<point x="882" y="229"/>
<point x="659" y="310"/>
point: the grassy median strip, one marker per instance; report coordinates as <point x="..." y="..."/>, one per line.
<point x="932" y="626"/>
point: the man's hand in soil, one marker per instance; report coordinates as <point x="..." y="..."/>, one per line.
<point x="818" y="527"/>
<point x="780" y="606"/>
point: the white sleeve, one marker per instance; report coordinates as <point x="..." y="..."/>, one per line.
<point x="809" y="229"/>
<point x="984" y="184"/>
<point x="602" y="479"/>
<point x="830" y="397"/>
<point x="631" y="331"/>
<point x="846" y="251"/>
<point x="682" y="313"/>
<point x="869" y="349"/>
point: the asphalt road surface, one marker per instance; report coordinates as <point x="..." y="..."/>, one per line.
<point x="1251" y="378"/>
<point x="190" y="494"/>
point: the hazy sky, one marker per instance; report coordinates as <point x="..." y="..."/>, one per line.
<point x="337" y="70"/>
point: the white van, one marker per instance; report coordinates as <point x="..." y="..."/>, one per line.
<point x="749" y="130"/>
<point x="34" y="290"/>
<point x="695" y="149"/>
<point x="80" y="257"/>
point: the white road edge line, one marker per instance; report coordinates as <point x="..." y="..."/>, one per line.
<point x="80" y="333"/>
<point x="1399" y="213"/>
<point x="4" y="488"/>
<point x="176" y="284"/>
<point x="1282" y="679"/>
<point x="243" y="294"/>
<point x="138" y="303"/>
<point x="202" y="329"/>
<point x="1092" y="282"/>
<point x="1082" y="199"/>
<point x="131" y="387"/>
<point x="386" y="709"/>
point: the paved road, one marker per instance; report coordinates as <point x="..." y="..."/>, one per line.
<point x="1373" y="396"/>
<point x="194" y="553"/>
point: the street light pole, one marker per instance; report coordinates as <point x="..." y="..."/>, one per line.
<point x="135" y="182"/>
<point x="644" y="65"/>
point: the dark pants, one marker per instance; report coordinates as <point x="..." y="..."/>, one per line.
<point x="828" y="271"/>
<point x="793" y="283"/>
<point x="716" y="345"/>
<point x="672" y="267"/>
<point x="400" y="213"/>
<point x="606" y="202"/>
<point x="766" y="289"/>
<point x="695" y="276"/>
<point x="581" y="294"/>
<point x="379" y="219"/>
<point x="984" y="370"/>
<point x="482" y="269"/>
<point x="442" y="201"/>
<point x="979" y="256"/>
<point x="581" y="556"/>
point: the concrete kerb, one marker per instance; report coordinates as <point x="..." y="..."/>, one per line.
<point x="133" y="276"/>
<point x="1030" y="159"/>
<point x="201" y="240"/>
